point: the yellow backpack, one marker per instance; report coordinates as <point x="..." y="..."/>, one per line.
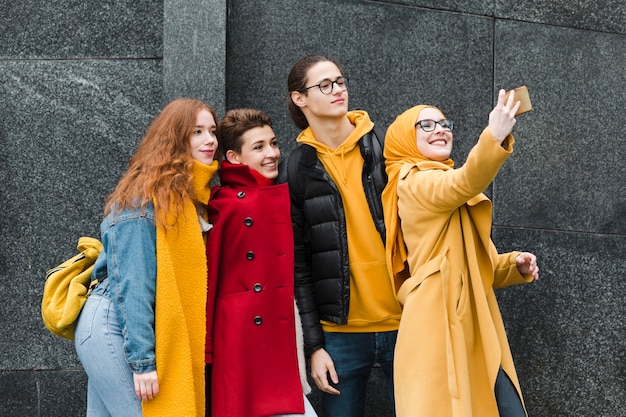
<point x="67" y="287"/>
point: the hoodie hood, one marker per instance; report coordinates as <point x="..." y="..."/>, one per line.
<point x="334" y="159"/>
<point x="362" y="123"/>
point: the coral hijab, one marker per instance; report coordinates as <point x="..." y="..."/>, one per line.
<point x="400" y="149"/>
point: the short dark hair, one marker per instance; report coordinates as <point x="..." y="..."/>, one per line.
<point x="297" y="80"/>
<point x="236" y="122"/>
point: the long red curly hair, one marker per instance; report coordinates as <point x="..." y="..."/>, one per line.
<point x="161" y="165"/>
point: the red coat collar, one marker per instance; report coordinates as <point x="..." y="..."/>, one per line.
<point x="240" y="175"/>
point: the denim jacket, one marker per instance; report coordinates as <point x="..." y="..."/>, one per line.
<point x="129" y="259"/>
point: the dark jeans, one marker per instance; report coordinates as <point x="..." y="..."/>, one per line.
<point x="354" y="355"/>
<point x="509" y="403"/>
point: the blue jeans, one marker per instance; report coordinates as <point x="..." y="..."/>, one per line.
<point x="99" y="345"/>
<point x="354" y="355"/>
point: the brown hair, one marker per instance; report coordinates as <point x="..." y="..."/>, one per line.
<point x="160" y="168"/>
<point x="236" y="122"/>
<point x="297" y="80"/>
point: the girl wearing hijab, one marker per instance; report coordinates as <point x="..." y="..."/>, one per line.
<point x="452" y="354"/>
<point x="140" y="335"/>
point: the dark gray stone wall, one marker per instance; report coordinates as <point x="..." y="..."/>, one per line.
<point x="194" y="51"/>
<point x="80" y="81"/>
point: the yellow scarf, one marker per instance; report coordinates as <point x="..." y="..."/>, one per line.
<point x="400" y="149"/>
<point x="180" y="308"/>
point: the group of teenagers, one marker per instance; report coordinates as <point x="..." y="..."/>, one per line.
<point x="228" y="274"/>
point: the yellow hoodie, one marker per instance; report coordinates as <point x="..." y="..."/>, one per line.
<point x="373" y="305"/>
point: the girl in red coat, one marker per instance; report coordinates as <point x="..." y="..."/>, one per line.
<point x="257" y="364"/>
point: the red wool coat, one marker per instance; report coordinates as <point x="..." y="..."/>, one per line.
<point x="251" y="337"/>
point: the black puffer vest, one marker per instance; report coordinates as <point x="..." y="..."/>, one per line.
<point x="322" y="267"/>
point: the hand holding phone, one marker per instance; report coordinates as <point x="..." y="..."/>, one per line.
<point x="521" y="95"/>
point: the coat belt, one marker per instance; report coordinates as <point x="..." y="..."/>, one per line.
<point x="438" y="264"/>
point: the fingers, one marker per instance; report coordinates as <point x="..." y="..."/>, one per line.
<point x="320" y="377"/>
<point x="533" y="268"/>
<point x="323" y="367"/>
<point x="502" y="117"/>
<point x="508" y="102"/>
<point x="516" y="107"/>
<point x="509" y="99"/>
<point x="502" y="100"/>
<point x="322" y="382"/>
<point x="527" y="264"/>
<point x="332" y="374"/>
<point x="146" y="391"/>
<point x="527" y="257"/>
<point x="146" y="385"/>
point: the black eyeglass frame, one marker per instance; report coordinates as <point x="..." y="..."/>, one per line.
<point x="435" y="123"/>
<point x="338" y="80"/>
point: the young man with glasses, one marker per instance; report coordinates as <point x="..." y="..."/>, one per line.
<point x="348" y="308"/>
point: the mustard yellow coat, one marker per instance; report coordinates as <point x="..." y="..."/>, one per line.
<point x="451" y="340"/>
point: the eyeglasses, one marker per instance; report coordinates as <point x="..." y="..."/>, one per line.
<point x="326" y="86"/>
<point x="428" y="125"/>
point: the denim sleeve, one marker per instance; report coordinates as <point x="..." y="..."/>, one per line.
<point x="131" y="253"/>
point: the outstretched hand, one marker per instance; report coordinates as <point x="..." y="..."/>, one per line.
<point x="527" y="264"/>
<point x="502" y="117"/>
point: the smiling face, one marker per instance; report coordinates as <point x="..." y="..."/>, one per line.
<point x="203" y="140"/>
<point x="313" y="102"/>
<point x="435" y="145"/>
<point x="259" y="150"/>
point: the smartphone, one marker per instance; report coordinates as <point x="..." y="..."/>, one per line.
<point x="521" y="94"/>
